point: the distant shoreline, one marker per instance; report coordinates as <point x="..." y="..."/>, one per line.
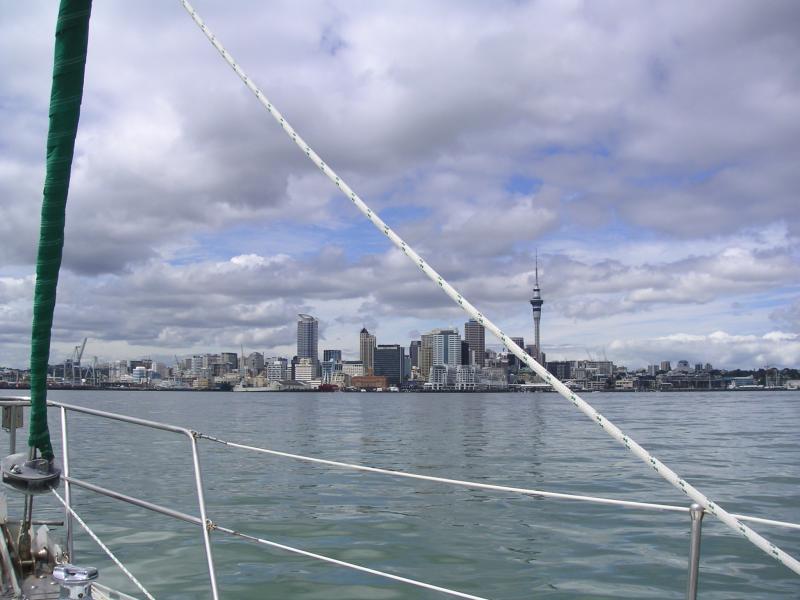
<point x="415" y="391"/>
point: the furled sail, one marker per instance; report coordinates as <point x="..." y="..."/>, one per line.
<point x="72" y="37"/>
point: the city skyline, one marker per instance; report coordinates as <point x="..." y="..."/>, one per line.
<point x="662" y="202"/>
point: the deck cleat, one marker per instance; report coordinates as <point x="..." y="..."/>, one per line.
<point x="31" y="476"/>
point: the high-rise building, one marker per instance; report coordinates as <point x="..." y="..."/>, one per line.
<point x="536" y="304"/>
<point x="665" y="366"/>
<point x="475" y="336"/>
<point x="388" y="361"/>
<point x="413" y="352"/>
<point x="445" y="347"/>
<point x="366" y="344"/>
<point x="466" y="359"/>
<point x="308" y="337"/>
<point x="424" y="359"/>
<point x="334" y="355"/>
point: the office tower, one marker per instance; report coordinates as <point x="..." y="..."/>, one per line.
<point x="413" y="352"/>
<point x="425" y="359"/>
<point x="475" y="336"/>
<point x="388" y="361"/>
<point x="445" y="347"/>
<point x="367" y="350"/>
<point x="308" y="337"/>
<point x="536" y="304"/>
<point x="465" y="353"/>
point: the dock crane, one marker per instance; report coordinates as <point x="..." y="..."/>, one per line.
<point x="76" y="360"/>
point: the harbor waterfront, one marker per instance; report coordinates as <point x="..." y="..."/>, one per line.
<point x="741" y="446"/>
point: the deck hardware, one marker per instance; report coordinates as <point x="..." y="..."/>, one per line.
<point x="76" y="582"/>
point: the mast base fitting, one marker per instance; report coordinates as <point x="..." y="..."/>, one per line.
<point x="30" y="476"/>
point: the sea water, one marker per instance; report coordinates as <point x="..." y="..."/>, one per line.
<point x="740" y="449"/>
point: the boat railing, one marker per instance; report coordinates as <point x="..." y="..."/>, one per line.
<point x="207" y="525"/>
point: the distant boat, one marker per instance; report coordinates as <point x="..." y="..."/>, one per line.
<point x="246" y="388"/>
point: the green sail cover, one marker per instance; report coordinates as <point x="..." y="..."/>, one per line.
<point x="72" y="36"/>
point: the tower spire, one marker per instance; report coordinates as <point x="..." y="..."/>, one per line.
<point x="536" y="304"/>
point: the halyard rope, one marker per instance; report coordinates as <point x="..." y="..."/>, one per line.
<point x="614" y="431"/>
<point x="103" y="546"/>
<point x="487" y="486"/>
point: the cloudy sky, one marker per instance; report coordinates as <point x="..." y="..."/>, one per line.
<point x="649" y="151"/>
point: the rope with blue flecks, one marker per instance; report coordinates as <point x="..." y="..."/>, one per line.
<point x="614" y="431"/>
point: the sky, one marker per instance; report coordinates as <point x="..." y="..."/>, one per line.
<point x="648" y="151"/>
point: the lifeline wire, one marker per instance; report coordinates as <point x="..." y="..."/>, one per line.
<point x="607" y="426"/>
<point x="103" y="546"/>
<point x="341" y="563"/>
<point x="488" y="486"/>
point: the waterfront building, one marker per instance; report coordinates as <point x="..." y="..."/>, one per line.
<point x="308" y="337"/>
<point x="353" y="368"/>
<point x="277" y="369"/>
<point x="305" y="370"/>
<point x="388" y="361"/>
<point x="370" y="382"/>
<point x="466" y="377"/>
<point x="475" y="336"/>
<point x="139" y="374"/>
<point x="438" y="377"/>
<point x="536" y="305"/>
<point x="665" y="366"/>
<point x="334" y="355"/>
<point x="366" y="345"/>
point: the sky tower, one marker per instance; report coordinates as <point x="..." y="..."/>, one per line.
<point x="536" y="304"/>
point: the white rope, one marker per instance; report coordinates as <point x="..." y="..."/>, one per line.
<point x="614" y="431"/>
<point x="490" y="486"/>
<point x="103" y="546"/>
<point x="342" y="563"/>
